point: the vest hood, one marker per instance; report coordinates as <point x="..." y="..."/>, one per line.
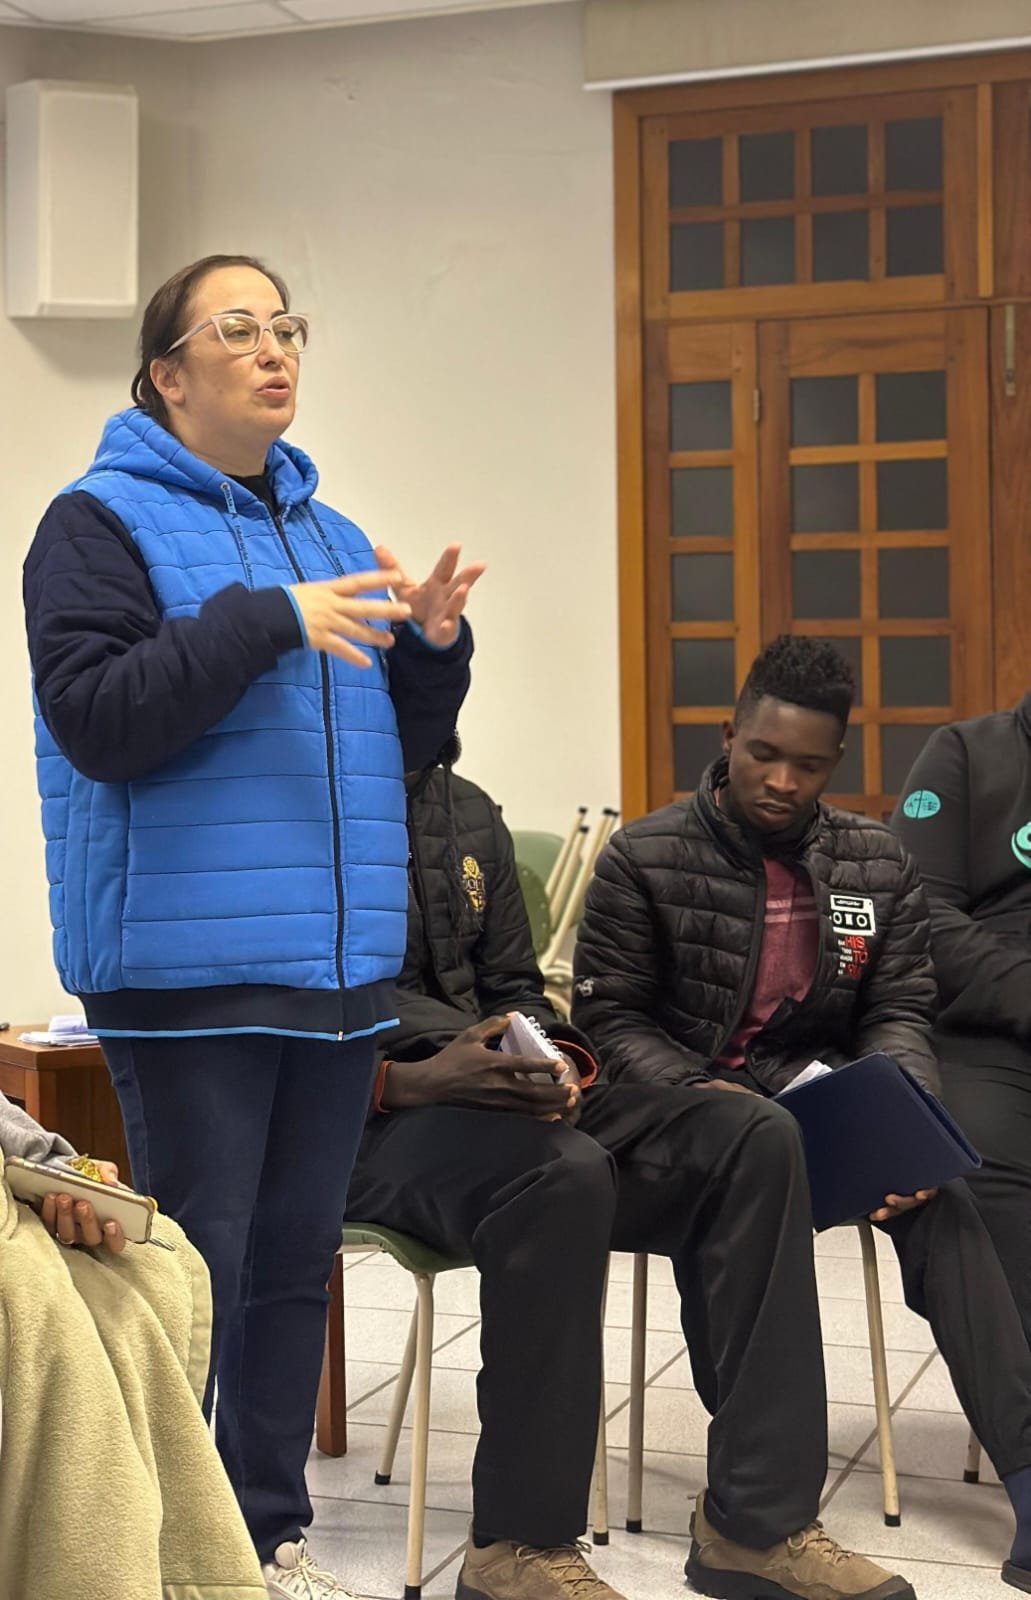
<point x="133" y="442"/>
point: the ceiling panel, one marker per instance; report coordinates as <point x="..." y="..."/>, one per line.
<point x="74" y="13"/>
<point x="250" y="16"/>
<point x="200" y="19"/>
<point x="376" y="10"/>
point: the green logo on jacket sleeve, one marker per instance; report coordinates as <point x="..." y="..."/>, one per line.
<point x="1020" y="844"/>
<point x="922" y="803"/>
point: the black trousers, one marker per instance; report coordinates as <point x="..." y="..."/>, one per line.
<point x="992" y="1104"/>
<point x="716" y="1182"/>
<point x="952" y="1275"/>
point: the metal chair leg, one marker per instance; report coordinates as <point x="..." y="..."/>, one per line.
<point x="600" y="1519"/>
<point x="635" y="1446"/>
<point x="879" y="1365"/>
<point x="972" y="1470"/>
<point x="420" y="1434"/>
<point x="571" y="839"/>
<point x="331" y="1406"/>
<point x="600" y="1482"/>
<point x="402" y="1389"/>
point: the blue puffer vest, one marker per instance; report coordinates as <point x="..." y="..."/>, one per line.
<point x="273" y="851"/>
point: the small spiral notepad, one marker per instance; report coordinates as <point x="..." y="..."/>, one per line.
<point x="524" y="1036"/>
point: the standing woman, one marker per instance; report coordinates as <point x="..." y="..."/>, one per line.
<point x="228" y="700"/>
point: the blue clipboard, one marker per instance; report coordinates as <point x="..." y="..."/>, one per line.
<point x="870" y="1130"/>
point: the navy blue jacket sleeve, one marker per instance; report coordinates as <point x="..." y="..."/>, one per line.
<point x="121" y="689"/>
<point x="427" y="687"/>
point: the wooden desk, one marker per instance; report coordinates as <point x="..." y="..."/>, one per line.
<point x="67" y="1089"/>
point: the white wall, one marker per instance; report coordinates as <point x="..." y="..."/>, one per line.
<point x="439" y="196"/>
<point x="438" y="193"/>
<point x="58" y="381"/>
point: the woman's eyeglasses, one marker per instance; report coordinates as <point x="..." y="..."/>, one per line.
<point x="242" y="334"/>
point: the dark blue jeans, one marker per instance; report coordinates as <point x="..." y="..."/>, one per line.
<point x="248" y="1141"/>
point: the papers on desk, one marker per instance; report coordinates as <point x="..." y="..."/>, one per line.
<point x="62" y="1031"/>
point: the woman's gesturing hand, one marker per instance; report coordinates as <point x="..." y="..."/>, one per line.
<point x="438" y="602"/>
<point x="335" y="613"/>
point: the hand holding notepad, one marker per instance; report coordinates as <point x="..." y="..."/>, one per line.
<point x="524" y="1036"/>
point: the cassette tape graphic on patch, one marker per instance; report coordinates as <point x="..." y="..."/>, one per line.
<point x="853" y="913"/>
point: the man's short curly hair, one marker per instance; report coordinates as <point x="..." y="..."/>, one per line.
<point x="804" y="672"/>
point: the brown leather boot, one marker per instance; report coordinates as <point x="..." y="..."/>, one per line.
<point x="517" y="1572"/>
<point x="807" y="1566"/>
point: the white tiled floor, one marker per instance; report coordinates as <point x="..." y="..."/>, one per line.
<point x="953" y="1535"/>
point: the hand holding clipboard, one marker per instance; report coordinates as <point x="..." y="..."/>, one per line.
<point x="872" y="1135"/>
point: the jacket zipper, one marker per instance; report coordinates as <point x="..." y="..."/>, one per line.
<point x="797" y="1007"/>
<point x="750" y="970"/>
<point x="429" y="967"/>
<point x="821" y="947"/>
<point x="338" y="871"/>
<point x="234" y="523"/>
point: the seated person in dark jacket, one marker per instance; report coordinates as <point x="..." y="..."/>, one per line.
<point x="965" y="816"/>
<point x="710" y="959"/>
<point x="466" y="1158"/>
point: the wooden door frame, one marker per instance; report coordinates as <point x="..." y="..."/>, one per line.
<point x="1003" y="81"/>
<point x="632" y="562"/>
<point x="795" y="88"/>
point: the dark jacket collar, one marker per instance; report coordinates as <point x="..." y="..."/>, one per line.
<point x="740" y="842"/>
<point x="418" y="787"/>
<point x="1024" y="713"/>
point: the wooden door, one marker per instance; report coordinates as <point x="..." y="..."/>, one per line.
<point x="824" y="358"/>
<point x="874" y="521"/>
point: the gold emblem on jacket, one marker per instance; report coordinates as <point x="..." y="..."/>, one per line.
<point x="473" y="883"/>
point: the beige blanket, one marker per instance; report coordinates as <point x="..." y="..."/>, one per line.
<point x="110" y="1486"/>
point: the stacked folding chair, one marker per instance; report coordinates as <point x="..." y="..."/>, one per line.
<point x="566" y="890"/>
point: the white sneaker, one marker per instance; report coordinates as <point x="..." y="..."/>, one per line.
<point x="293" y="1575"/>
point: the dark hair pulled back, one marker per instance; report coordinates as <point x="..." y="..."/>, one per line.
<point x="166" y="320"/>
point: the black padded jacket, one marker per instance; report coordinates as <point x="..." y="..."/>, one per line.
<point x="669" y="945"/>
<point x="966" y="817"/>
<point x="470" y="951"/>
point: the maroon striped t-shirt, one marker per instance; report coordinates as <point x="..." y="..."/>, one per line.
<point x="787" y="960"/>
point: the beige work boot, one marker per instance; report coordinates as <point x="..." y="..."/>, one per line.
<point x="807" y="1566"/>
<point x="517" y="1572"/>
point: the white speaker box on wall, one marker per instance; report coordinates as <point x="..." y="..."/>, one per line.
<point x="72" y="209"/>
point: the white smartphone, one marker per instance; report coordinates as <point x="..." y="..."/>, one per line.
<point x="32" y="1181"/>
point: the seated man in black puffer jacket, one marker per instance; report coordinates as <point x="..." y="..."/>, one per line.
<point x="712" y="957"/>
<point x="537" y="1182"/>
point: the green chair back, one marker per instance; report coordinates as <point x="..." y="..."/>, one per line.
<point x="536" y="854"/>
<point x="537" y="909"/>
<point x="538" y="851"/>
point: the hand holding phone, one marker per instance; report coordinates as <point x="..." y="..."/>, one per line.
<point x="79" y="1208"/>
